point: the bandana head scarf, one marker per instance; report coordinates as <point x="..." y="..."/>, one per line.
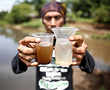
<point x="54" y="6"/>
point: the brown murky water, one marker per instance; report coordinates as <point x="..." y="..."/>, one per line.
<point x="100" y="50"/>
<point x="26" y="81"/>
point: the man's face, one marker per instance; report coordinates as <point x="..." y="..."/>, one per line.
<point x="52" y="19"/>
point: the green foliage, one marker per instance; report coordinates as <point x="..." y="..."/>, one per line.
<point x="3" y="14"/>
<point x="4" y="18"/>
<point x="80" y="7"/>
<point x="36" y="23"/>
<point x="71" y="17"/>
<point x="9" y="18"/>
<point x="102" y="14"/>
<point x="104" y="37"/>
<point x="102" y="88"/>
<point x="79" y="13"/>
<point x="21" y="12"/>
<point x="96" y="9"/>
<point x="3" y="23"/>
<point x="38" y="5"/>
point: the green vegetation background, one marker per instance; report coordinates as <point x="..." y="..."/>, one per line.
<point x="27" y="13"/>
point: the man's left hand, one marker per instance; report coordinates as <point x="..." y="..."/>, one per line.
<point x="79" y="48"/>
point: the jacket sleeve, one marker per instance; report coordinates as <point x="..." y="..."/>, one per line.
<point x="88" y="63"/>
<point x="17" y="65"/>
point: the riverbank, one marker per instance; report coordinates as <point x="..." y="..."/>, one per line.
<point x="99" y="28"/>
<point x="97" y="80"/>
<point x="97" y="31"/>
<point x="19" y="28"/>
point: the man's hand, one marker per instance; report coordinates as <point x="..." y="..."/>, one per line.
<point x="79" y="48"/>
<point x="26" y="50"/>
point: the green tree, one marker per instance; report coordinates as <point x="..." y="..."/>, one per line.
<point x="102" y="14"/>
<point x="38" y="5"/>
<point x="9" y="18"/>
<point x="79" y="7"/>
<point x="96" y="9"/>
<point x="3" y="14"/>
<point x="21" y="12"/>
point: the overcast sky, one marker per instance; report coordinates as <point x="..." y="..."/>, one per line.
<point x="6" y="5"/>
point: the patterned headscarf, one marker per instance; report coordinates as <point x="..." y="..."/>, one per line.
<point x="54" y="6"/>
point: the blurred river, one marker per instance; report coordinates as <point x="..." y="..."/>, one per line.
<point x="26" y="81"/>
<point x="99" y="49"/>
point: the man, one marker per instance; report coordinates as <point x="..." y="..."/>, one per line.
<point x="52" y="77"/>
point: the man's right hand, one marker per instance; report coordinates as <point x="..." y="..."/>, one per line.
<point x="26" y="50"/>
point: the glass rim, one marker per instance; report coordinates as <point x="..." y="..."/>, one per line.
<point x="65" y="28"/>
<point x="42" y="34"/>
